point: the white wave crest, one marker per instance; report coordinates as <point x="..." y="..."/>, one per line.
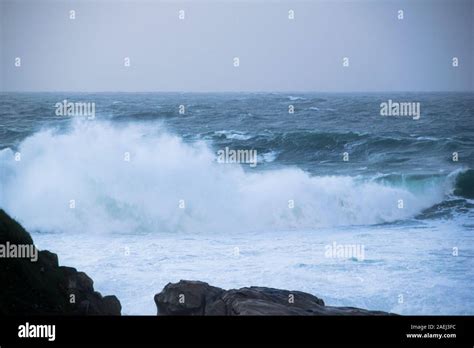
<point x="87" y="165"/>
<point x="236" y="135"/>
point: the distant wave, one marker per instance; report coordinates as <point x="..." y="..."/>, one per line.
<point x="144" y="115"/>
<point x="268" y="156"/>
<point x="292" y="98"/>
<point x="303" y="143"/>
<point x="233" y="135"/>
<point x="112" y="195"/>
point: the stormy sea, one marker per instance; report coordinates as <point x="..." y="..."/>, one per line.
<point x="356" y="207"/>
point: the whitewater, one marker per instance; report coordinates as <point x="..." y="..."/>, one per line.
<point x="141" y="193"/>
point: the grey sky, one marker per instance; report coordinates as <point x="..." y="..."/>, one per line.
<point x="276" y="54"/>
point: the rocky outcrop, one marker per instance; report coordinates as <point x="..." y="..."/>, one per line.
<point x="41" y="286"/>
<point x="199" y="298"/>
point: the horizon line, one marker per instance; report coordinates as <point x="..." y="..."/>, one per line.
<point x="241" y="91"/>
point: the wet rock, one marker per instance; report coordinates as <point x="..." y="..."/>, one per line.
<point x="43" y="287"/>
<point x="199" y="298"/>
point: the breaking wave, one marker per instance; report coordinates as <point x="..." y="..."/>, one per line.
<point x="146" y="194"/>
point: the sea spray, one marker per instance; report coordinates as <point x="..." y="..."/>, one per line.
<point x="142" y="194"/>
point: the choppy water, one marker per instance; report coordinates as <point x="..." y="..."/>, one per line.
<point x="128" y="232"/>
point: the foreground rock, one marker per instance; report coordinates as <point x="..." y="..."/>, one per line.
<point x="199" y="298"/>
<point x="41" y="286"/>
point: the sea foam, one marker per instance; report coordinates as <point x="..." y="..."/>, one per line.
<point x="87" y="164"/>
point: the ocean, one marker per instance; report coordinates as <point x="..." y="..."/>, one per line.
<point x="135" y="197"/>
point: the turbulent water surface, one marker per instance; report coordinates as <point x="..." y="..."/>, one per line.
<point x="172" y="212"/>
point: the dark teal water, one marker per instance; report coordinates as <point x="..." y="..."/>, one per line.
<point x="314" y="137"/>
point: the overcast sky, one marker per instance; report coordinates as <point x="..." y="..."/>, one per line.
<point x="276" y="53"/>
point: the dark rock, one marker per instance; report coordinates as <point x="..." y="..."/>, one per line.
<point x="49" y="258"/>
<point x="186" y="298"/>
<point x="111" y="305"/>
<point x="44" y="287"/>
<point x="199" y="298"/>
